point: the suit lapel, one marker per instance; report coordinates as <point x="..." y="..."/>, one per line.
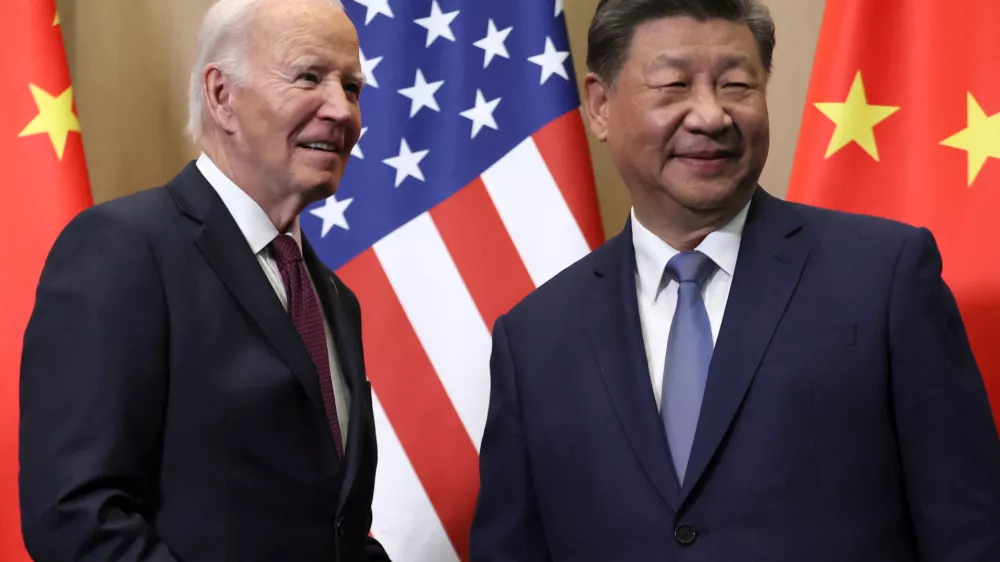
<point x="350" y="358"/>
<point x="225" y="248"/>
<point x="772" y="254"/>
<point x="616" y="338"/>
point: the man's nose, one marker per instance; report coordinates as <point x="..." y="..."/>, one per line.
<point x="336" y="107"/>
<point x="706" y="115"/>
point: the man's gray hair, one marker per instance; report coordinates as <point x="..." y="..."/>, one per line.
<point x="610" y="37"/>
<point x="224" y="39"/>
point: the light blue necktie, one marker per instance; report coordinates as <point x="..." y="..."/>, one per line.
<point x="689" y="352"/>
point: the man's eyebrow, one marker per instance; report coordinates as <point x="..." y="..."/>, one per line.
<point x="725" y="63"/>
<point x="669" y="61"/>
<point x="734" y="61"/>
<point x="357" y="77"/>
<point x="314" y="63"/>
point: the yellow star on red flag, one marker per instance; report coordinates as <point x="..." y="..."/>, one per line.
<point x="855" y="119"/>
<point x="980" y="138"/>
<point x="55" y="117"/>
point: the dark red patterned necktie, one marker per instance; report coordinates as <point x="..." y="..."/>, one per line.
<point x="303" y="307"/>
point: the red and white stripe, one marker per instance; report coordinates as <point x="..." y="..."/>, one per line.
<point x="430" y="293"/>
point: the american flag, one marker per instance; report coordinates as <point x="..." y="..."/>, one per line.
<point x="470" y="186"/>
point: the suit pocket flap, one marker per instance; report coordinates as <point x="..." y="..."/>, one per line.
<point x="812" y="341"/>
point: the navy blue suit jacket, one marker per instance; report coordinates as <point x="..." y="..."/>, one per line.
<point x="169" y="409"/>
<point x="844" y="418"/>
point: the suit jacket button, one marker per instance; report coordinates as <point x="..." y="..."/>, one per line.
<point x="685" y="534"/>
<point x="340" y="526"/>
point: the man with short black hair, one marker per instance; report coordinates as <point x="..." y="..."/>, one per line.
<point x="733" y="377"/>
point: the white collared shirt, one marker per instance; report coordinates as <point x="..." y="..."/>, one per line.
<point x="657" y="303"/>
<point x="259" y="231"/>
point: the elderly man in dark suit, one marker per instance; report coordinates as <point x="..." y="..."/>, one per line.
<point x="193" y="386"/>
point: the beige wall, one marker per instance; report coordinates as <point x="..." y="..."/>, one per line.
<point x="129" y="60"/>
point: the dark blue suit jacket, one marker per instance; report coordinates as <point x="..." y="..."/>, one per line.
<point x="169" y="409"/>
<point x="844" y="419"/>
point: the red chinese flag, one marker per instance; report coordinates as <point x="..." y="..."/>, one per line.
<point x="902" y="120"/>
<point x="45" y="185"/>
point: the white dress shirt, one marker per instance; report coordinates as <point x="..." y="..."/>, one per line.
<point x="259" y="231"/>
<point x="657" y="293"/>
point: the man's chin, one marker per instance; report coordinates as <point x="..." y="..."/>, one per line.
<point x="319" y="188"/>
<point x="713" y="195"/>
<point x="327" y="189"/>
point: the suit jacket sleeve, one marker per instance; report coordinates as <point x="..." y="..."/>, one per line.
<point x="375" y="552"/>
<point x="947" y="439"/>
<point x="93" y="393"/>
<point x="506" y="526"/>
<point x="373" y="549"/>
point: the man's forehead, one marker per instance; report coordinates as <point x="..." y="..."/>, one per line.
<point x="277" y="20"/>
<point x="295" y="35"/>
<point x="679" y="31"/>
<point x="292" y="6"/>
<point x="673" y="44"/>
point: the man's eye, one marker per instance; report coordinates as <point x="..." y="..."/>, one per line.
<point x="308" y="77"/>
<point x="352" y="88"/>
<point x="741" y="85"/>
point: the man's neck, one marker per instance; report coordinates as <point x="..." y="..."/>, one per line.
<point x="682" y="228"/>
<point x="281" y="209"/>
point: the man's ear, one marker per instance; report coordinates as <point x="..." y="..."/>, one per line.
<point x="595" y="101"/>
<point x="217" y="88"/>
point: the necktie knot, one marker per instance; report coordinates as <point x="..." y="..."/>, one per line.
<point x="690" y="267"/>
<point x="286" y="251"/>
